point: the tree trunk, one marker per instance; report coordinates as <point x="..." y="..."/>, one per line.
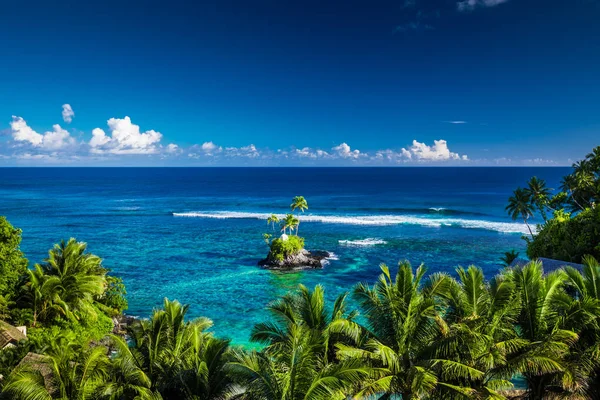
<point x="528" y="227"/>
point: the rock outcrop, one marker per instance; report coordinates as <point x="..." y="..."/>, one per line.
<point x="303" y="260"/>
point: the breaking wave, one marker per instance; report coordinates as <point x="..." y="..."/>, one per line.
<point x="373" y="220"/>
<point x="362" y="242"/>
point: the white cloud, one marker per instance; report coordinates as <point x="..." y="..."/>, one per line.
<point x="173" y="149"/>
<point x="249" y="151"/>
<point x="125" y="138"/>
<point x="308" y="152"/>
<point x="470" y="5"/>
<point x="438" y="152"/>
<point x="52" y="140"/>
<point x="57" y="138"/>
<point x="419" y="152"/>
<point x="67" y="113"/>
<point x="209" y="148"/>
<point x="457" y="122"/>
<point x="344" y="151"/>
<point x="21" y="132"/>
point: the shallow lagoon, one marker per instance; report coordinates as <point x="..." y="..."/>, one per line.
<point x="194" y="234"/>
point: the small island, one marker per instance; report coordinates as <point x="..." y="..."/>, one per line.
<point x="287" y="252"/>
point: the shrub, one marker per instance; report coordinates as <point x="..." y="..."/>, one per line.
<point x="13" y="263"/>
<point x="280" y="249"/>
<point x="568" y="238"/>
<point x="114" y="297"/>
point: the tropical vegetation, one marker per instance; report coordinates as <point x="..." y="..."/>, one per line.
<point x="286" y="245"/>
<point x="524" y="332"/>
<point x="569" y="227"/>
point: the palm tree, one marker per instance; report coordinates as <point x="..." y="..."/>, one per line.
<point x="273" y="219"/>
<point x="307" y="309"/>
<point x="299" y="360"/>
<point x="580" y="310"/>
<point x="299" y="203"/>
<point x="181" y="359"/>
<point x="544" y="360"/>
<point x="68" y="282"/>
<point x="128" y="379"/>
<point x="519" y="205"/>
<point x="75" y="373"/>
<point x="539" y="194"/>
<point x="404" y="322"/>
<point x="289" y="222"/>
<point x="295" y="370"/>
<point x="569" y="185"/>
<point x="479" y="318"/>
<point x="508" y="258"/>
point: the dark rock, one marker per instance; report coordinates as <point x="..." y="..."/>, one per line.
<point x="303" y="260"/>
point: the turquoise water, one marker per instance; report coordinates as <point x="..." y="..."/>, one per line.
<point x="196" y="234"/>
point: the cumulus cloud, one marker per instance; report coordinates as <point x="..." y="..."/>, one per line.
<point x="125" y="138"/>
<point x="308" y="152"/>
<point x="470" y="5"/>
<point x="172" y="148"/>
<point x="52" y="140"/>
<point x="212" y="150"/>
<point x="67" y="113"/>
<point x="344" y="151"/>
<point x="438" y="152"/>
<point x="419" y="152"/>
<point x="209" y="148"/>
<point x="249" y="151"/>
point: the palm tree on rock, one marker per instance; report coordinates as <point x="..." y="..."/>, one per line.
<point x="273" y="219"/>
<point x="289" y="222"/>
<point x="299" y="203"/>
<point x="519" y="206"/>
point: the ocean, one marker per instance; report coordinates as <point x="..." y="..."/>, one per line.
<point x="195" y="234"/>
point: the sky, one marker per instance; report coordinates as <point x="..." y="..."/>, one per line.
<point x="289" y="83"/>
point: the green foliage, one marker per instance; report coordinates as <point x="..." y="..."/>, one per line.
<point x="509" y="257"/>
<point x="114" y="296"/>
<point x="567" y="237"/>
<point x="180" y="358"/>
<point x="77" y="332"/>
<point x="574" y="229"/>
<point x="72" y="284"/>
<point x="280" y="249"/>
<point x="13" y="264"/>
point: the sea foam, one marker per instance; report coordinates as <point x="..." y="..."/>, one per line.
<point x="373" y="220"/>
<point x="362" y="242"/>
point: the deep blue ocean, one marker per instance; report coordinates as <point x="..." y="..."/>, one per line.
<point x="195" y="234"/>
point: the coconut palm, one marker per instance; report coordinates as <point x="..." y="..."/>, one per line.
<point x="479" y="329"/>
<point x="580" y="310"/>
<point x="273" y="219"/>
<point x="74" y="373"/>
<point x="289" y="222"/>
<point x="307" y="308"/>
<point x="508" y="258"/>
<point x="181" y="359"/>
<point x="403" y="323"/>
<point x="519" y="206"/>
<point x="299" y="203"/>
<point x="544" y="362"/>
<point x="539" y="194"/>
<point x="128" y="379"/>
<point x="295" y="370"/>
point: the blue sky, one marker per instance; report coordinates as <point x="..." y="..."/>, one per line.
<point x="405" y="82"/>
